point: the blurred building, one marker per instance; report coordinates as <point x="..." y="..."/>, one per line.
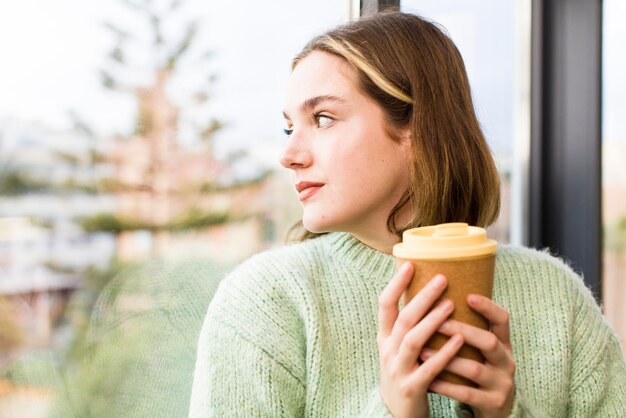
<point x="42" y="250"/>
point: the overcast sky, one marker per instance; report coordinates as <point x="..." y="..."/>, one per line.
<point x="52" y="50"/>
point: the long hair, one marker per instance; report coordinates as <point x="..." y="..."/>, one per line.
<point x="412" y="69"/>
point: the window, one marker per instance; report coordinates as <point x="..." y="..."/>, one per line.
<point x="153" y="135"/>
<point x="494" y="38"/>
<point x="613" y="158"/>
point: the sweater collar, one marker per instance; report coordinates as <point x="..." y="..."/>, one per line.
<point x="366" y="262"/>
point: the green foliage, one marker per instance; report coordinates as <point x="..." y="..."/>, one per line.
<point x="71" y="185"/>
<point x="117" y="54"/>
<point x="67" y="157"/>
<point x="59" y="268"/>
<point x="213" y="126"/>
<point x="14" y="182"/>
<point x="109" y="222"/>
<point x="215" y="187"/>
<point x="103" y="222"/>
<point x="193" y="219"/>
<point x="615" y="235"/>
<point x="108" y="80"/>
<point x="182" y="47"/>
<point x="196" y="219"/>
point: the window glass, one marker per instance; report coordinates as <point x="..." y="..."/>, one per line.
<point x="493" y="37"/>
<point x="613" y="168"/>
<point x="139" y="144"/>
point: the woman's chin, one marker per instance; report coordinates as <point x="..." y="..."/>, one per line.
<point x="317" y="226"/>
<point x="314" y="228"/>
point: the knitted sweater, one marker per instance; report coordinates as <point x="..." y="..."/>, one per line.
<point x="292" y="332"/>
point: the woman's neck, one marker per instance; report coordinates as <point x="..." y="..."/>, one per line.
<point x="381" y="242"/>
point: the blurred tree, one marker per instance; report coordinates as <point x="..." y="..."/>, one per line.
<point x="163" y="187"/>
<point x="160" y="184"/>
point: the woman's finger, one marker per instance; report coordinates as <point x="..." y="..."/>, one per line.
<point x="485" y="376"/>
<point x="477" y="398"/>
<point x="388" y="300"/>
<point x="414" y="340"/>
<point x="497" y="315"/>
<point x="426" y="372"/>
<point x="419" y="306"/>
<point x="493" y="349"/>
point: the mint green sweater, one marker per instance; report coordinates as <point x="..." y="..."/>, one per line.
<point x="292" y="332"/>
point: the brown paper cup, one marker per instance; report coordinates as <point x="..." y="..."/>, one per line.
<point x="465" y="255"/>
<point x="465" y="276"/>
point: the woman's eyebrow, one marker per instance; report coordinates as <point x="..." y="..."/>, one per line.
<point x="312" y="102"/>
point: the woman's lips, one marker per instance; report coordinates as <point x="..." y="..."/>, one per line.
<point x="307" y="189"/>
<point x="308" y="192"/>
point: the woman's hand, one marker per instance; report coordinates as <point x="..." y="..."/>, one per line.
<point x="495" y="378"/>
<point x="401" y="336"/>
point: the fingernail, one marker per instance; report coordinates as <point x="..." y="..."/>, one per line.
<point x="426" y="353"/>
<point x="405" y="267"/>
<point x="439" y="281"/>
<point x="446" y="305"/>
<point x="445" y="327"/>
<point x="473" y="299"/>
<point x="456" y="340"/>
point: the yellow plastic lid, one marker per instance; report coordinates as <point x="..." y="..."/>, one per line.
<point x="445" y="241"/>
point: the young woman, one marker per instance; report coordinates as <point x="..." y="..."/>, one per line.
<point x="382" y="137"/>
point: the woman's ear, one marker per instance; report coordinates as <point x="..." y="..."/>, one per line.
<point x="406" y="137"/>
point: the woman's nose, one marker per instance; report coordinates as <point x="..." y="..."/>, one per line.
<point x="295" y="156"/>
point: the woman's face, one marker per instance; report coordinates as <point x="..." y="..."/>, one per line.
<point x="338" y="145"/>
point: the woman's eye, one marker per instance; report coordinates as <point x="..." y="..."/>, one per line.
<point x="322" y="121"/>
<point x="288" y="132"/>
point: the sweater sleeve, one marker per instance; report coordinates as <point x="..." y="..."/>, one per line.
<point x="598" y="386"/>
<point x="234" y="377"/>
<point x="250" y="356"/>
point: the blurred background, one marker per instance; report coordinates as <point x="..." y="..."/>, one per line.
<point x="139" y="144"/>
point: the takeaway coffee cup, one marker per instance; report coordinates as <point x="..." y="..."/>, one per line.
<point x="466" y="257"/>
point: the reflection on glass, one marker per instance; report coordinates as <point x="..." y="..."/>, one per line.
<point x="138" y="163"/>
<point x="613" y="167"/>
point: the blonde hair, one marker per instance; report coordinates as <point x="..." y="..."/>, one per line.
<point x="416" y="74"/>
